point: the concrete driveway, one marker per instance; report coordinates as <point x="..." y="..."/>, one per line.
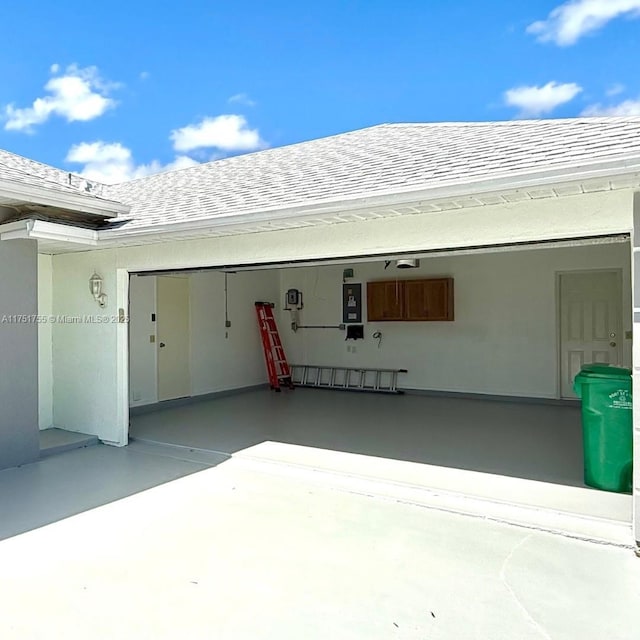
<point x="246" y="550"/>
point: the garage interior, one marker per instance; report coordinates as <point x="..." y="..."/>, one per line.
<point x="488" y="407"/>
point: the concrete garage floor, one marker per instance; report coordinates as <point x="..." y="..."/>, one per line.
<point x="242" y="550"/>
<point x="54" y="441"/>
<point x="472" y="456"/>
<point x="533" y="441"/>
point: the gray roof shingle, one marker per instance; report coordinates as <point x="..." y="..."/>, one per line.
<point x="373" y="161"/>
<point x="15" y="168"/>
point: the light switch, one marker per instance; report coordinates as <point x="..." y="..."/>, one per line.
<point x="152" y="338"/>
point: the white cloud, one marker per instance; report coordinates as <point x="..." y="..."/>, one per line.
<point x="568" y="22"/>
<point x="112" y="162"/>
<point x="536" y="101"/>
<point x="626" y="108"/>
<point x="225" y="132"/>
<point x="76" y="94"/>
<point x="242" y="98"/>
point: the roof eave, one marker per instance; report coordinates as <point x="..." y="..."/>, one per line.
<point x="42" y="230"/>
<point x="80" y="203"/>
<point x="621" y="170"/>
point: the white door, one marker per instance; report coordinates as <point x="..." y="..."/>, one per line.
<point x="590" y="322"/>
<point x="174" y="378"/>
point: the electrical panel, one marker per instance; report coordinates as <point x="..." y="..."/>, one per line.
<point x="351" y="303"/>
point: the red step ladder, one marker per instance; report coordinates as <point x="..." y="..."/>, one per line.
<point x="277" y="365"/>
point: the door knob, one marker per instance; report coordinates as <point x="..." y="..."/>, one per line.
<point x="612" y="344"/>
<point x="162" y="344"/>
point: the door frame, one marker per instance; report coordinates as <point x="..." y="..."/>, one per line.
<point x="122" y="356"/>
<point x="558" y="276"/>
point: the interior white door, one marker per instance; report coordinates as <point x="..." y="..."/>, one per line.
<point x="173" y="337"/>
<point x="590" y="322"/>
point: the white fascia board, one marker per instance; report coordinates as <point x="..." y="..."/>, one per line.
<point x="41" y="230"/>
<point x="398" y="197"/>
<point x="15" y="230"/>
<point x="79" y="202"/>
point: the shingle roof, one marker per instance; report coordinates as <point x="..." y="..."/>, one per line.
<point x="364" y="163"/>
<point x="372" y="161"/>
<point x="18" y="169"/>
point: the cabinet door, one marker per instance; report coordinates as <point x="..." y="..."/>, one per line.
<point x="385" y="300"/>
<point x="429" y="299"/>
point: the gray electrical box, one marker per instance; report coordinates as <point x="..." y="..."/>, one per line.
<point x="351" y="303"/>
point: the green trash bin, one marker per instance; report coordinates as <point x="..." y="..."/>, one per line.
<point x="607" y="429"/>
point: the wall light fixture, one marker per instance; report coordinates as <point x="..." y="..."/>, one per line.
<point x="95" y="286"/>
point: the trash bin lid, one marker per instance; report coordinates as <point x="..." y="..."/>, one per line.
<point x="604" y="370"/>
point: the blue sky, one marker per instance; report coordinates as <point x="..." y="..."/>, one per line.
<point x="122" y="89"/>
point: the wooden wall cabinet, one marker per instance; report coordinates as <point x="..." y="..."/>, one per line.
<point x="410" y="300"/>
<point x="385" y="300"/>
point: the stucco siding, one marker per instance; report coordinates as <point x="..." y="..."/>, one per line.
<point x="19" y="441"/>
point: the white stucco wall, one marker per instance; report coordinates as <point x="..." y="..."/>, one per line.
<point x="504" y="337"/>
<point x="45" y="329"/>
<point x="531" y="220"/>
<point x="232" y="358"/>
<point x="221" y="358"/>
<point x="89" y="360"/>
<point x="85" y="386"/>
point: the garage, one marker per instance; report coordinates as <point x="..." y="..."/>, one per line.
<point x="487" y="407"/>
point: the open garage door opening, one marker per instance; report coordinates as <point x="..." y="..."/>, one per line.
<point x="487" y="342"/>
